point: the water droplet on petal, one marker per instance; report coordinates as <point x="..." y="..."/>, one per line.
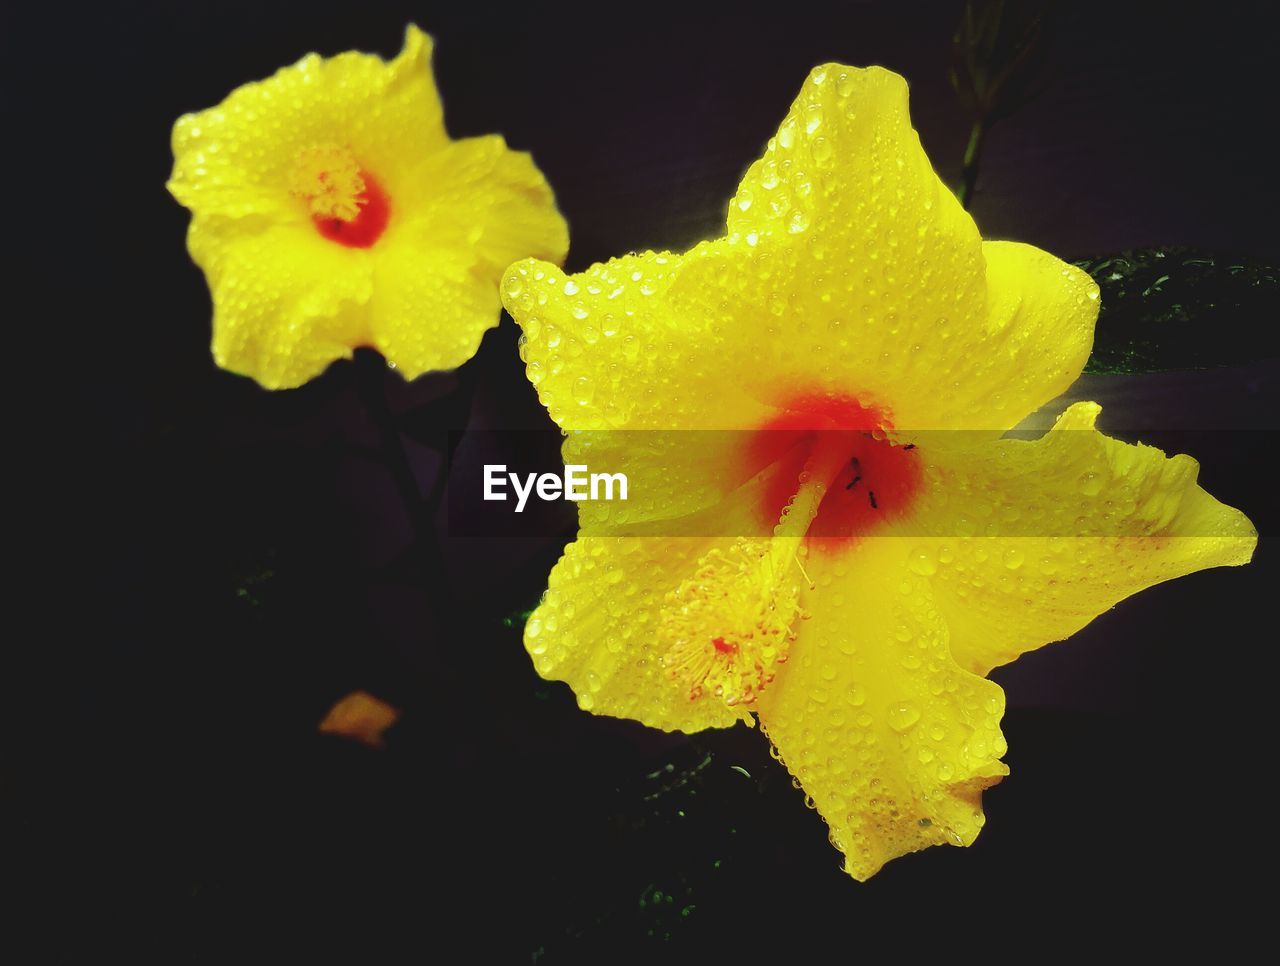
<point x="922" y="562"/>
<point x="904" y="716"/>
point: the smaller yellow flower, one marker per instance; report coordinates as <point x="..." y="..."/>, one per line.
<point x="331" y="210"/>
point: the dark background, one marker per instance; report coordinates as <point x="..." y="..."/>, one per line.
<point x="221" y="564"/>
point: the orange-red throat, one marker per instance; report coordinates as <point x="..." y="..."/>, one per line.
<point x="873" y="477"/>
<point x="346" y="203"/>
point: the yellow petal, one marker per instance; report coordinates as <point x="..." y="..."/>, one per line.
<point x="477" y="195"/>
<point x="606" y="350"/>
<point x="860" y="271"/>
<point x="1030" y="540"/>
<point x="469" y="210"/>
<point x="1038" y="336"/>
<point x="850" y="249"/>
<point x="237" y="159"/>
<point x="286" y="302"/>
<point x="848" y="268"/>
<point x="891" y="740"/>
<point x="598" y="628"/>
<point x="430" y="309"/>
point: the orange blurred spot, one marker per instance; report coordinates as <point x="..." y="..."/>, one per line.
<point x="360" y="716"/>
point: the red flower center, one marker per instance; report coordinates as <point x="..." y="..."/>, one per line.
<point x="346" y="203"/>
<point x="368" y="224"/>
<point x="877" y="483"/>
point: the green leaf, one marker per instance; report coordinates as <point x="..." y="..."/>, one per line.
<point x="1178" y="308"/>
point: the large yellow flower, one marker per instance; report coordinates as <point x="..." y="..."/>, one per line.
<point x="851" y="562"/>
<point x="332" y="210"/>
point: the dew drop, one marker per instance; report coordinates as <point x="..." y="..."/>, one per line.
<point x="813" y="118"/>
<point x="922" y="562"/>
<point x="1091" y="484"/>
<point x="904" y="716"/>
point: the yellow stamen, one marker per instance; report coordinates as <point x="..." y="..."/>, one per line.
<point x="327" y="178"/>
<point x="728" y="628"/>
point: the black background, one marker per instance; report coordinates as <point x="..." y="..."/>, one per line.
<point x="223" y="563"/>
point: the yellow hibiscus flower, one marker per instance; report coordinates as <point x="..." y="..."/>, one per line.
<point x="850" y="563"/>
<point x="331" y="210"/>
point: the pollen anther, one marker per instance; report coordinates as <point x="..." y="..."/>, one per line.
<point x="726" y="629"/>
<point x="328" y="179"/>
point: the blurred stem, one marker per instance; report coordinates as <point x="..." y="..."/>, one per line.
<point x="972" y="158"/>
<point x="371" y="375"/>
